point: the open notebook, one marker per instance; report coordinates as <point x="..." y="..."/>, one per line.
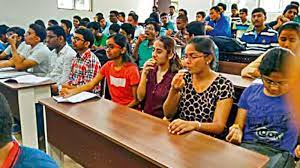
<point x="80" y="97"/>
<point x="28" y="79"/>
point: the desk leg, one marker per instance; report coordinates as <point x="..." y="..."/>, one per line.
<point x="57" y="155"/>
<point x="28" y="117"/>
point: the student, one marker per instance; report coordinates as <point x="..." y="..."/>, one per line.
<point x="104" y="25"/>
<point x="157" y="75"/>
<point x="36" y="59"/>
<point x="297" y="18"/>
<point x="40" y="22"/>
<point x="114" y="28"/>
<point x="122" y="76"/>
<point x="144" y="45"/>
<point x="218" y="25"/>
<point x="85" y="66"/>
<point x="234" y="14"/>
<point x="240" y="27"/>
<point x="61" y="57"/>
<point x="11" y="153"/>
<point x="121" y="17"/>
<point x="167" y="27"/>
<point x="52" y="22"/>
<point x="181" y="23"/>
<point x="133" y="20"/>
<point x="127" y="30"/>
<point x="289" y="37"/>
<point x="289" y="13"/>
<point x="223" y="8"/>
<point x="3" y="38"/>
<point x="199" y="99"/>
<point x="76" y="21"/>
<point x="113" y="17"/>
<point x="261" y="37"/>
<point x="200" y="16"/>
<point x="264" y="122"/>
<point x="22" y="47"/>
<point x="172" y="14"/>
<point x="67" y="26"/>
<point x="182" y="12"/>
<point x="99" y="38"/>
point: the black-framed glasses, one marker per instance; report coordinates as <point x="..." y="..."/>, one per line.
<point x="268" y="81"/>
<point x="77" y="39"/>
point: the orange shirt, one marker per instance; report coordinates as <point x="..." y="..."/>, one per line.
<point x="120" y="82"/>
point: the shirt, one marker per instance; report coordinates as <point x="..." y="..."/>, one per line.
<point x="22" y="49"/>
<point x="263" y="41"/>
<point x="221" y="27"/>
<point x="138" y="30"/>
<point x="83" y="69"/>
<point x="101" y="41"/>
<point x="144" y="52"/>
<point x="69" y="39"/>
<point x="120" y="82"/>
<point x="105" y="30"/>
<point x="40" y="54"/>
<point x="60" y="64"/>
<point x="172" y="18"/>
<point x="241" y="27"/>
<point x="268" y="119"/>
<point x="157" y="93"/>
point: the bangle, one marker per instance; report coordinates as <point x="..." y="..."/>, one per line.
<point x="198" y="125"/>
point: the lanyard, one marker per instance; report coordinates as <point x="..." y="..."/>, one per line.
<point x="12" y="156"/>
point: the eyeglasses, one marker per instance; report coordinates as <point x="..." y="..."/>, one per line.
<point x="77" y="39"/>
<point x="274" y="83"/>
<point x="110" y="47"/>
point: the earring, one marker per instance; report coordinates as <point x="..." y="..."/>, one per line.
<point x="207" y="63"/>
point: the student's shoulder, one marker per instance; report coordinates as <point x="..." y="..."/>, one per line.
<point x="254" y="88"/>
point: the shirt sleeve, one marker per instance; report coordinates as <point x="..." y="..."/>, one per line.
<point x="227" y="90"/>
<point x="252" y="67"/>
<point x="71" y="74"/>
<point x="134" y="76"/>
<point x="67" y="64"/>
<point x="243" y="99"/>
<point x="38" y="56"/>
<point x="8" y="51"/>
<point x="104" y="68"/>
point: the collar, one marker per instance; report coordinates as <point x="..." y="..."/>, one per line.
<point x="86" y="55"/>
<point x="13" y="156"/>
<point x="63" y="50"/>
<point x="37" y="46"/>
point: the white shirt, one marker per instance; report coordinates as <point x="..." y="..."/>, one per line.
<point x="60" y="64"/>
<point x="22" y="49"/>
<point x="138" y="30"/>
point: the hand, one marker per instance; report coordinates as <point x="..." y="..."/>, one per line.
<point x="65" y="92"/>
<point x="178" y="81"/>
<point x="297" y="151"/>
<point x="12" y="39"/>
<point x="208" y="28"/>
<point x="180" y="126"/>
<point x="169" y="32"/>
<point x="141" y="38"/>
<point x="235" y="135"/>
<point x="148" y="66"/>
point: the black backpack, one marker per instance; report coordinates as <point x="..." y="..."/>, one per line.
<point x="227" y="44"/>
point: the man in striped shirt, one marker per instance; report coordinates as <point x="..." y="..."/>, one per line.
<point x="260" y="37"/>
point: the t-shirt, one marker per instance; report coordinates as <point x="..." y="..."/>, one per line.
<point x="268" y="119"/>
<point x="157" y="93"/>
<point x="120" y="82"/>
<point x="201" y="107"/>
<point x="101" y="41"/>
<point x="40" y="54"/>
<point x="221" y="27"/>
<point x="145" y="52"/>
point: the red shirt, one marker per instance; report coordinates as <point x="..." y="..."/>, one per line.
<point x="120" y="82"/>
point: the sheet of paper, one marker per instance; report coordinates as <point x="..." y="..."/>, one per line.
<point x="80" y="97"/>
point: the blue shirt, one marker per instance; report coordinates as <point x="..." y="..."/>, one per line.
<point x="34" y="158"/>
<point x="2" y="47"/>
<point x="69" y="39"/>
<point x="221" y="27"/>
<point x="268" y="119"/>
<point x="260" y="41"/>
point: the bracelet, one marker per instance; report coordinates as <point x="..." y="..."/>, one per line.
<point x="199" y="125"/>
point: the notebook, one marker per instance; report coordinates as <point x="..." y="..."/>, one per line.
<point x="11" y="74"/>
<point x="80" y="97"/>
<point x="28" y="79"/>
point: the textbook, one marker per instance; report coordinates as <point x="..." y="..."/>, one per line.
<point x="27" y="79"/>
<point x="80" y="97"/>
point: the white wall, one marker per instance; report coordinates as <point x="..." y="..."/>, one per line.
<point x="193" y="6"/>
<point x="24" y="12"/>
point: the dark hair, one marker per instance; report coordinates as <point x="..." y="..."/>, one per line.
<point x="17" y="30"/>
<point x="3" y="29"/>
<point x="86" y="19"/>
<point x="128" y="28"/>
<point x="122" y="14"/>
<point x="40" y="22"/>
<point x="245" y="10"/>
<point x="205" y="45"/>
<point x="39" y="31"/>
<point x="68" y="23"/>
<point x="274" y="60"/>
<point x="99" y="14"/>
<point x="169" y="45"/>
<point x="163" y="14"/>
<point x="171" y="6"/>
<point x="87" y="35"/>
<point x="234" y="6"/>
<point x="58" y="31"/>
<point x="295" y="3"/>
<point x="121" y="41"/>
<point x="195" y="28"/>
<point x="155" y="7"/>
<point x="154" y="16"/>
<point x="134" y="16"/>
<point x="6" y="122"/>
<point x="202" y="13"/>
<point x="183" y="17"/>
<point x="114" y="12"/>
<point x="115" y="27"/>
<point x="184" y="11"/>
<point x="257" y="10"/>
<point x="224" y="6"/>
<point x="83" y="23"/>
<point x="216" y="8"/>
<point x="93" y="25"/>
<point x="290" y="26"/>
<point x="77" y="17"/>
<point x="291" y="6"/>
<point x="53" y="22"/>
<point x="155" y="24"/>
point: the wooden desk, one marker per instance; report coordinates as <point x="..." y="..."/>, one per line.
<point x="24" y="97"/>
<point x="100" y="132"/>
<point x="234" y="68"/>
<point x="238" y="81"/>
<point x="241" y="56"/>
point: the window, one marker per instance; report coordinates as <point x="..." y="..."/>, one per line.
<point x="75" y="4"/>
